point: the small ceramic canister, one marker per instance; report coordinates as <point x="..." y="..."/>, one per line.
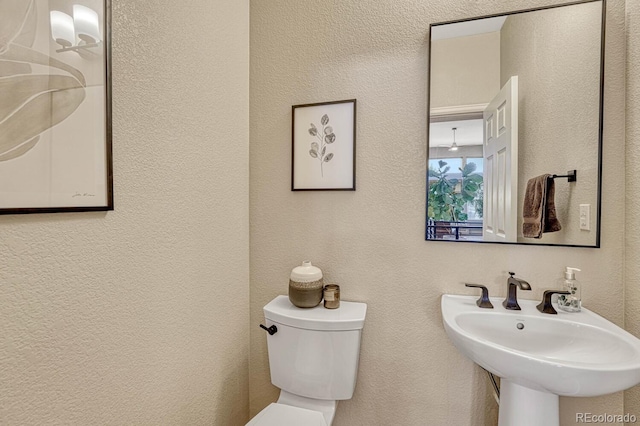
<point x="305" y="285"/>
<point x="332" y="296"/>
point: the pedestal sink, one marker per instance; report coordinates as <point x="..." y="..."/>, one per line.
<point x="540" y="357"/>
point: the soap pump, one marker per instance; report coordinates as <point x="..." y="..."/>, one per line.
<point x="570" y="302"/>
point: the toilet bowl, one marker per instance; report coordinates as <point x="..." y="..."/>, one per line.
<point x="294" y="410"/>
<point x="313" y="359"/>
<point x="286" y="415"/>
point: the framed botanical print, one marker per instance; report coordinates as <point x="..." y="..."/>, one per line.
<point x="324" y="146"/>
<point x="55" y="106"/>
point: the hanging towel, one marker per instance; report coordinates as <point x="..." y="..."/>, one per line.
<point x="539" y="210"/>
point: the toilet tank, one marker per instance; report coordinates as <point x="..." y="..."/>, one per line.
<point x="315" y="351"/>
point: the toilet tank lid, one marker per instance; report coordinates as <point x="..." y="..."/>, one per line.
<point x="349" y="316"/>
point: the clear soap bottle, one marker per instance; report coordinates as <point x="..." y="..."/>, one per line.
<point x="571" y="302"/>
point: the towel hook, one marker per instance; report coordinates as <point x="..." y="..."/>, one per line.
<point x="572" y="176"/>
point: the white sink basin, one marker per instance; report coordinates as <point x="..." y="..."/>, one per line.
<point x="570" y="354"/>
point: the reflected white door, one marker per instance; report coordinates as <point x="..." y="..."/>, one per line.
<point x="500" y="148"/>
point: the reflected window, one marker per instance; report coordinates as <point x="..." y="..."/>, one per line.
<point x="455" y="205"/>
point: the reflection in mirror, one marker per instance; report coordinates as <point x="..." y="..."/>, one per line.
<point x="514" y="100"/>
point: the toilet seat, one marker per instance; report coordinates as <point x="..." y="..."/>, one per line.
<point x="287" y="415"/>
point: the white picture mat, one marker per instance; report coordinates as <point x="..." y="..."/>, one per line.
<point x="61" y="170"/>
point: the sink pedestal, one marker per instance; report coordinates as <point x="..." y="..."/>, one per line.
<point x="521" y="406"/>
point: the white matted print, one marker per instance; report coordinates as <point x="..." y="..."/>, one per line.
<point x="55" y="123"/>
<point x="323" y="146"/>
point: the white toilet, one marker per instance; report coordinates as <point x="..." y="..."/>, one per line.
<point x="313" y="358"/>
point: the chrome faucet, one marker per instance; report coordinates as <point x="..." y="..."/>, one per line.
<point x="511" y="302"/>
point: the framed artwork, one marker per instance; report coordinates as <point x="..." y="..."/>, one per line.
<point x="55" y="106"/>
<point x="323" y="153"/>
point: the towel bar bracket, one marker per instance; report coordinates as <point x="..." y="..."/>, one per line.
<point x="572" y="176"/>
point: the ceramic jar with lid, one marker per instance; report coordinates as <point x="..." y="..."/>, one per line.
<point x="305" y="285"/>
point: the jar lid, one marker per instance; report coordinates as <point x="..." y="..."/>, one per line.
<point x="307" y="273"/>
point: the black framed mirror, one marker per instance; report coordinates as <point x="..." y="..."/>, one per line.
<point x="515" y="127"/>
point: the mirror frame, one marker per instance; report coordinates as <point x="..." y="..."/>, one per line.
<point x="600" y="119"/>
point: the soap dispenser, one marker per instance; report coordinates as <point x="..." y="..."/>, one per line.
<point x="570" y="302"/>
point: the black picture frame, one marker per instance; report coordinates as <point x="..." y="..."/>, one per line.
<point x="79" y="73"/>
<point x="323" y="134"/>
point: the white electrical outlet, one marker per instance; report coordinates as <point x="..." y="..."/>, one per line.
<point x="585" y="217"/>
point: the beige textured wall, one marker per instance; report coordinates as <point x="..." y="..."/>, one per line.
<point x="140" y="315"/>
<point x="371" y="241"/>
<point x="556" y="55"/>
<point x="632" y="219"/>
<point x="465" y="70"/>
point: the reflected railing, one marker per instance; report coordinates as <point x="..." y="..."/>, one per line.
<point x="470" y="230"/>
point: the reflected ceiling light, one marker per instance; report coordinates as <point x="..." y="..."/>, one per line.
<point x="454" y="146"/>
<point x="85" y="21"/>
<point x="80" y="32"/>
<point x="62" y="29"/>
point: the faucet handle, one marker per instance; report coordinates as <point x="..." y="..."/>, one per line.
<point x="545" y="306"/>
<point x="484" y="301"/>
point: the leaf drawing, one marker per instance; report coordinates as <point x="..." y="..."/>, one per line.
<point x="27" y="36"/>
<point x="30" y="103"/>
<point x="12" y="68"/>
<point x="24" y="54"/>
<point x="9" y="30"/>
<point x="37" y="115"/>
<point x="16" y="91"/>
<point x="13" y="17"/>
<point x="324" y="138"/>
<point x="20" y="150"/>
